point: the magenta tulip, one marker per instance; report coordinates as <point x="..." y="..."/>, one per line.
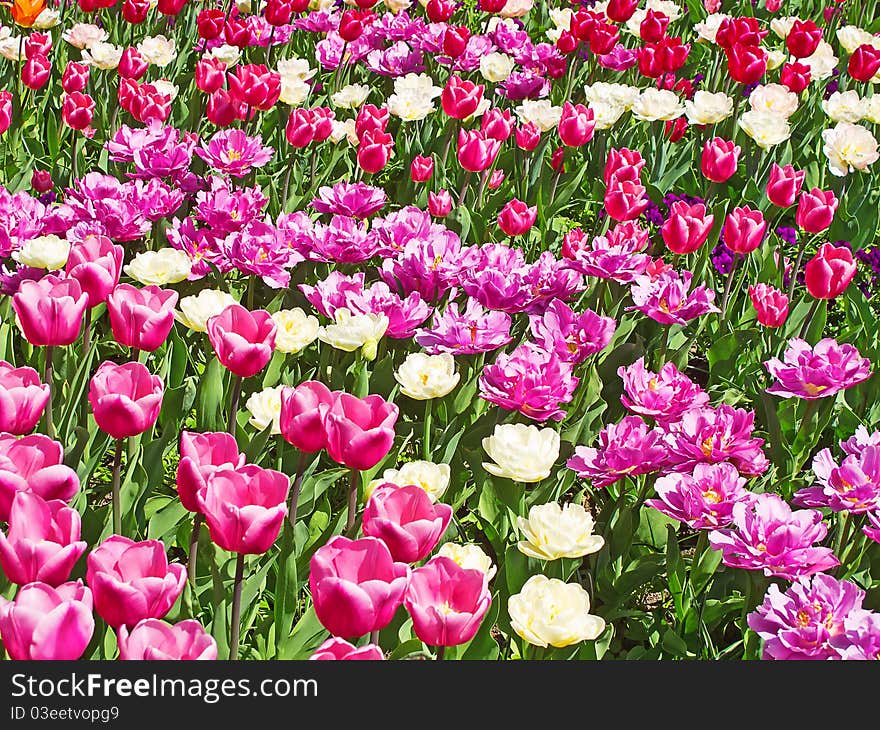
<point x="23" y="398"/>
<point x="303" y="409"/>
<point x="784" y="185"/>
<point x="243" y="340"/>
<point x="719" y="159"/>
<point x="687" y="227"/>
<point x="96" y="264"/>
<point x="141" y="318"/>
<point x="576" y="124"/>
<point x="830" y="271"/>
<point x="125" y="399"/>
<point x="339" y="649"/>
<point x="406" y="520"/>
<point x="50" y="310"/>
<point x="47" y="623"/>
<point x="447" y="602"/>
<point x="360" y="431"/>
<point x="200" y="455"/>
<point x="244" y="507"/>
<point x="152" y="639"/>
<point x="42" y="542"/>
<point x="356" y="586"/>
<point x="517" y="217"/>
<point x="132" y="580"/>
<point x="33" y="464"/>
<point x="744" y="230"/>
<point x="816" y="209"/>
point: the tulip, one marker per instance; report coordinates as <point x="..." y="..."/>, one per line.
<point x="771" y="305"/>
<point x="152" y="639"/>
<point x="5" y="110"/>
<point x="339" y="649"/>
<point x="41" y="181"/>
<point x="421" y="168"/>
<point x="576" y="125"/>
<point x="830" y="271"/>
<point x="236" y="32"/>
<point x="374" y="150"/>
<point x="447" y="603"/>
<point x="352" y="24"/>
<point x="803" y="39"/>
<point x="603" y="38"/>
<point x="864" y="63"/>
<point x="623" y="158"/>
<point x="370" y="117"/>
<point x="242" y="340"/>
<point x="278" y="12"/>
<point x="439" y="11"/>
<point x="495" y="179"/>
<point x="795" y="77"/>
<point x="141" y="318"/>
<point x="360" y="431"/>
<point x="50" y="310"/>
<point x="255" y="85"/>
<point x="784" y="185"/>
<point x="210" y="74"/>
<point x="491" y="6"/>
<point x="650" y="62"/>
<point x="75" y="77"/>
<point x="816" y="210"/>
<point x="35" y="72"/>
<point x="625" y="201"/>
<point x="653" y="27"/>
<point x="744" y="230"/>
<point x="460" y="98"/>
<point x="406" y="520"/>
<point x="37" y="44"/>
<point x="43" y="541"/>
<point x="621" y="10"/>
<point x="455" y="40"/>
<point x="132" y="65"/>
<point x="200" y="455"/>
<point x="746" y="64"/>
<point x="300" y="129"/>
<point x="440" y="203"/>
<point x="170" y="7"/>
<point x="77" y="110"/>
<point x="209" y="23"/>
<point x="96" y="264"/>
<point x="222" y="109"/>
<point x="567" y="42"/>
<point x="719" y="159"/>
<point x="47" y="623"/>
<point x="303" y="409"/>
<point x="135" y="11"/>
<point x="125" y="399"/>
<point x="356" y="586"/>
<point x="33" y="464"/>
<point x="517" y="217"/>
<point x="687" y="227"/>
<point x="527" y="136"/>
<point x="132" y="580"/>
<point x="22" y="398"/>
<point x="497" y="124"/>
<point x="476" y="152"/>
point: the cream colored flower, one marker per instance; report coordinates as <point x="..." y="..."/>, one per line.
<point x="166" y="88"/>
<point x="658" y="105"/>
<point x="822" y="63"/>
<point x="344" y="130"/>
<point x="295" y="68"/>
<point x="10" y="46"/>
<point x="548" y="611"/>
<point x="230" y="55"/>
<point x="423" y="377"/>
<point x="516" y="8"/>
<point x="708" y="108"/>
<point x="43" y="252"/>
<point x="775" y="58"/>
<point x="872" y="109"/>
<point x="294" y="91"/>
<point x="352" y="331"/>
<point x="849" y="147"/>
<point x="102" y="55"/>
<point x="84" y="35"/>
<point x="48" y="18"/>
<point x="395" y="6"/>
<point x="615" y="94"/>
<point x="539" y="112"/>
<point x="413" y="97"/>
<point x="605" y="115"/>
<point x="433" y="478"/>
<point x="351" y="96"/>
<point x="561" y="18"/>
<point x="851" y="37"/>
<point x="196" y="310"/>
<point x="774" y="99"/>
<point x="265" y="408"/>
<point x="552" y="531"/>
<point x="845" y="106"/>
<point x="782" y="26"/>
<point x="470" y="555"/>
<point x="520" y="452"/>
<point x="296" y="330"/>
<point x="766" y="128"/>
<point x="707" y="29"/>
<point x="165" y="266"/>
<point x="496" y="66"/>
<point x="157" y="50"/>
<point x="669" y="8"/>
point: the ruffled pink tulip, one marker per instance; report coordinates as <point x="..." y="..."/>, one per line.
<point x="125" y="399"/>
<point x="50" y="310"/>
<point x="47" y="623"/>
<point x="22" y="398"/>
<point x="356" y="586"/>
<point x="201" y="454"/>
<point x="152" y="639"/>
<point x="243" y="340"/>
<point x="302" y="415"/>
<point x="447" y="602"/>
<point x="96" y="264"/>
<point x="339" y="649"/>
<point x="406" y="520"/>
<point x="132" y="580"/>
<point x="141" y="318"/>
<point x="360" y="431"/>
<point x="33" y="464"/>
<point x="42" y="543"/>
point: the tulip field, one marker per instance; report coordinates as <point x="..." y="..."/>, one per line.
<point x="439" y="329"/>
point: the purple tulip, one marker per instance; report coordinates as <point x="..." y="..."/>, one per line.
<point x="817" y="372"/>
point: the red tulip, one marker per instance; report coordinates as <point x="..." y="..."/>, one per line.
<point x="255" y="85"/>
<point x="527" y="136"/>
<point x="439" y="11"/>
<point x="803" y="39"/>
<point x="170" y="7"/>
<point x="5" y="110"/>
<point x="77" y="110"/>
<point x="41" y="181"/>
<point x="653" y="27"/>
<point x="370" y="117"/>
<point x="222" y="109"/>
<point x="475" y="151"/>
<point x="209" y="23"/>
<point x="795" y="77"/>
<point x="784" y="185"/>
<point x="132" y="65"/>
<point x="374" y="150"/>
<point x="497" y="124"/>
<point x="455" y="40"/>
<point x="210" y="74"/>
<point x="236" y="32"/>
<point x="625" y="201"/>
<point x="135" y="11"/>
<point x="75" y="77"/>
<point x="864" y="63"/>
<point x="621" y="10"/>
<point x="746" y="64"/>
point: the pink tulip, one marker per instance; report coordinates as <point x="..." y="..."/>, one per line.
<point x="784" y="185"/>
<point x="22" y="398"/>
<point x="50" y="310"/>
<point x="200" y="455"/>
<point x="623" y="158"/>
<point x="527" y="136"/>
<point x="625" y="201"/>
<point x="421" y="168"/>
<point x="132" y="580"/>
<point x="360" y="431"/>
<point x="461" y="98"/>
<point x="744" y="230"/>
<point x="33" y="464"/>
<point x="47" y="623"/>
<point x="829" y="272"/>
<point x="576" y="125"/>
<point x="517" y="217"/>
<point x="447" y="602"/>
<point x="356" y="586"/>
<point x="5" y="110"/>
<point x="42" y="543"/>
<point x="125" y="399"/>
<point x="440" y="203"/>
<point x="243" y="340"/>
<point x="374" y="150"/>
<point x="476" y="151"/>
<point x="687" y="227"/>
<point x="96" y="264"/>
<point x="816" y="210"/>
<point x="141" y="318"/>
<point x="770" y="304"/>
<point x="406" y="520"/>
<point x="244" y="507"/>
<point x="152" y="639"/>
<point x="303" y="409"/>
<point x="719" y="160"/>
<point x="339" y="649"/>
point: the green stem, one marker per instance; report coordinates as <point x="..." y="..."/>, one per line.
<point x="350" y="525"/>
<point x="194" y="548"/>
<point x="426" y="435"/>
<point x="47" y="379"/>
<point x="117" y="502"/>
<point x="809" y="318"/>
<point x="297" y="487"/>
<point x="235" y="627"/>
<point x="233" y="405"/>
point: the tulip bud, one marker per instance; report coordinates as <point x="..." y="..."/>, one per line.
<point x="5" y="110"/>
<point x="497" y="124"/>
<point x="527" y="136"/>
<point x="210" y="74"/>
<point x="222" y="109"/>
<point x="803" y="39"/>
<point x="625" y="201"/>
<point x="35" y="72"/>
<point x="125" y="399"/>
<point x="653" y="27"/>
<point x="830" y="271"/>
<point x="675" y="129"/>
<point x="621" y="10"/>
<point x="475" y="152"/>
<point x="816" y="210"/>
<point x="209" y="23"/>
<point x="491" y="6"/>
<point x="132" y="65"/>
<point x="170" y="7"/>
<point x="41" y="181"/>
<point x="135" y="11"/>
<point x="770" y="304"/>
<point x="744" y="230"/>
<point x="77" y="110"/>
<point x="687" y="227"/>
<point x="439" y="11"/>
<point x="746" y="64"/>
<point x="243" y="340"/>
<point x="567" y="42"/>
<point x="236" y="32"/>
<point x="461" y="98"/>
<point x="75" y="77"/>
<point x="371" y="117"/>
<point x="37" y="44"/>
<point x="495" y="179"/>
<point x="784" y="185"/>
<point x="719" y="160"/>
<point x="576" y="125"/>
<point x="374" y="150"/>
<point x="455" y="40"/>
